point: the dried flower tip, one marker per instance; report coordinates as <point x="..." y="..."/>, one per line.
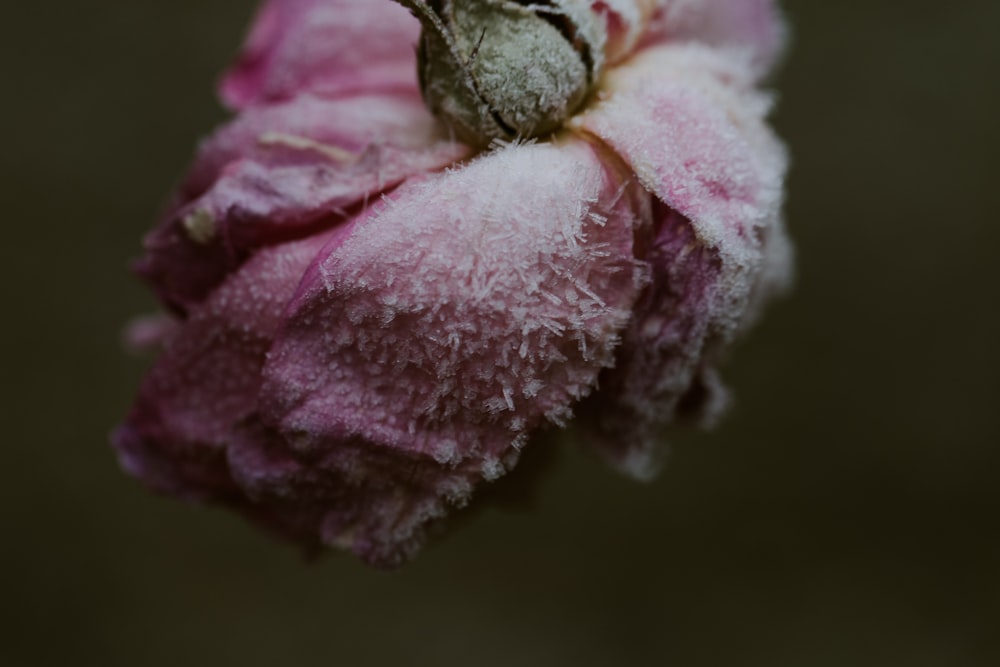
<point x="506" y="69"/>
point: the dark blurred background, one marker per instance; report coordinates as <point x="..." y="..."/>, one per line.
<point x="846" y="513"/>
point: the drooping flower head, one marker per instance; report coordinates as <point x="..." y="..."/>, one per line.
<point x="427" y="236"/>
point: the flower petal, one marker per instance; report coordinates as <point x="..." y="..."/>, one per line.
<point x="753" y="27"/>
<point x="625" y="22"/>
<point x="375" y="502"/>
<point x="687" y="120"/>
<point x="470" y="309"/>
<point x="207" y="378"/>
<point x="282" y="171"/>
<point x="328" y="47"/>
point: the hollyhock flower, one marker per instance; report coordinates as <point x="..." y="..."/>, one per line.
<point x="373" y="307"/>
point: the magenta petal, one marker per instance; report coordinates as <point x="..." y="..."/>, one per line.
<point x="283" y="171"/>
<point x="685" y="119"/>
<point x="468" y="310"/>
<point x="661" y="373"/>
<point x="377" y="503"/>
<point x="207" y="378"/>
<point x="329" y="47"/>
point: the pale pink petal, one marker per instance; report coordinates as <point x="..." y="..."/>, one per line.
<point x="283" y="171"/>
<point x="471" y="308"/>
<point x="625" y="22"/>
<point x="328" y="47"/>
<point x="207" y="378"/>
<point x="687" y="121"/>
<point x="753" y="27"/>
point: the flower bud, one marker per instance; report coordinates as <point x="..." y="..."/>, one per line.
<point x="506" y="69"/>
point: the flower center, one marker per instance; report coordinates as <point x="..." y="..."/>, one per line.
<point x="506" y="69"/>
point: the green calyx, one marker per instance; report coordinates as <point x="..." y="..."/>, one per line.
<point x="506" y="69"/>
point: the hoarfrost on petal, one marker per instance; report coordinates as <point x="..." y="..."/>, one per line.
<point x="283" y="171"/>
<point x="330" y="47"/>
<point x="470" y="361"/>
<point x="689" y="122"/>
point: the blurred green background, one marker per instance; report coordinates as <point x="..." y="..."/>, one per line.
<point x="846" y="513"/>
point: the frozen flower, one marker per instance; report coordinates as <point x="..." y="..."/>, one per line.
<point x="373" y="308"/>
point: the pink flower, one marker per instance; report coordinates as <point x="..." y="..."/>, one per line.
<point x="369" y="318"/>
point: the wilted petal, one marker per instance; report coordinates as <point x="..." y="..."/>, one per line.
<point x="751" y="27"/>
<point x="207" y="378"/>
<point x="471" y="308"/>
<point x="625" y="22"/>
<point x="689" y="124"/>
<point x="687" y="120"/>
<point x="282" y="171"/>
<point x="330" y="47"/>
<point x="378" y="503"/>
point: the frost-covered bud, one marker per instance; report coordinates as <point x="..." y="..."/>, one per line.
<point x="507" y="68"/>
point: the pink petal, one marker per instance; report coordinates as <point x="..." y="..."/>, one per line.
<point x="329" y="47"/>
<point x="208" y="375"/>
<point x="753" y="27"/>
<point x="376" y="502"/>
<point x="661" y="373"/>
<point x="625" y="23"/>
<point x="688" y="122"/>
<point x="468" y="310"/>
<point x="282" y="171"/>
